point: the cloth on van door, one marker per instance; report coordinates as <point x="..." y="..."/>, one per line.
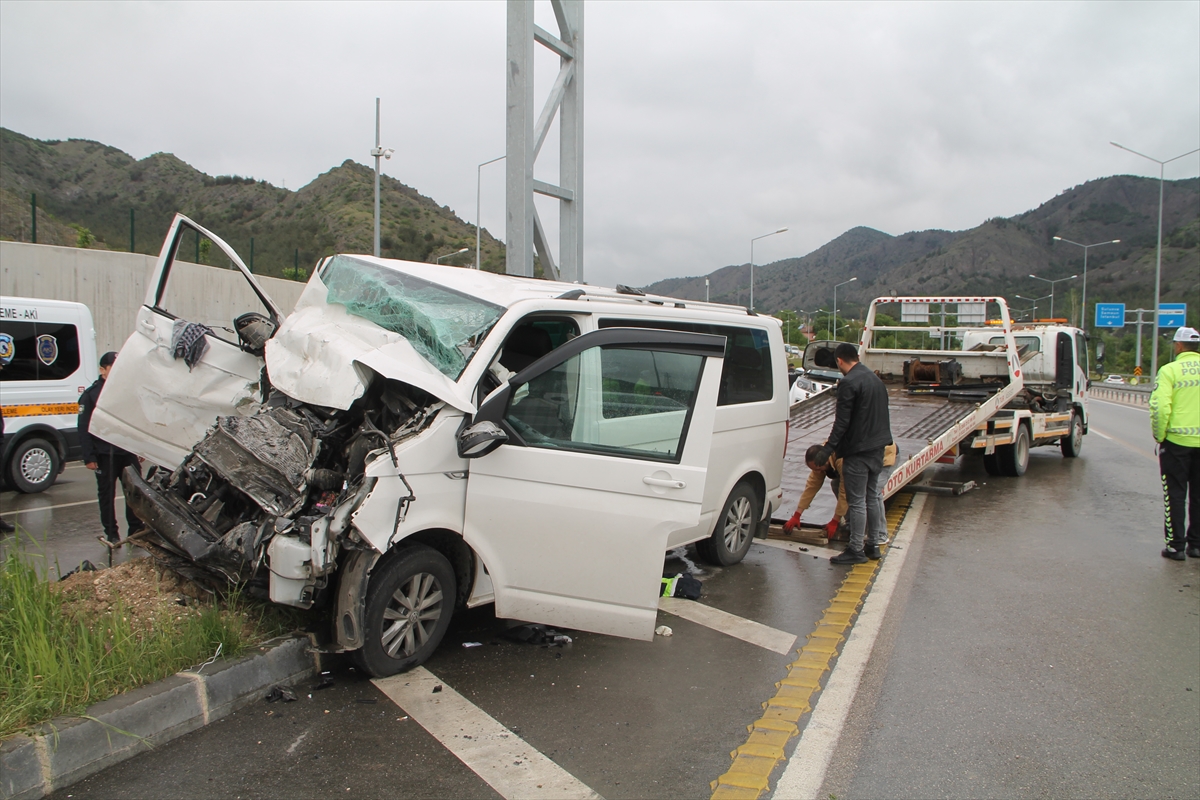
<point x="188" y="341"/>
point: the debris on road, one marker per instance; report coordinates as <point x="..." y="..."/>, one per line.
<point x="280" y="693"/>
<point x="663" y="630"/>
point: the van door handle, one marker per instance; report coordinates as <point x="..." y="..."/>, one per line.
<point x="148" y="324"/>
<point x="663" y="482"/>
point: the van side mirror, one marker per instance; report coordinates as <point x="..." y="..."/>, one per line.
<point x="480" y="439"/>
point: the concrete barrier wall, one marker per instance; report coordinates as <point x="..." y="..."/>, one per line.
<point x="113" y="286"/>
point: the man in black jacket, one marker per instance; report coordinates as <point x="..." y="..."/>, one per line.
<point x="861" y="431"/>
<point x="105" y="459"/>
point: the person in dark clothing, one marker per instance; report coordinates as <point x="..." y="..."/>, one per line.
<point x="861" y="431"/>
<point x="106" y="460"/>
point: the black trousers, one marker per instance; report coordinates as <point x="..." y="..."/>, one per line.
<point x="108" y="472"/>
<point x="1180" y="467"/>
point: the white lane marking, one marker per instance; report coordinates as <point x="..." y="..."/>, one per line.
<point x="796" y="547"/>
<point x="1119" y="405"/>
<point x="119" y="499"/>
<point x="1123" y="443"/>
<point x="723" y="622"/>
<point x="805" y="771"/>
<point x="505" y="761"/>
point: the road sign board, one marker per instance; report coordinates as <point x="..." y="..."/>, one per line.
<point x="1137" y="370"/>
<point x="1110" y="315"/>
<point x="1172" y="315"/>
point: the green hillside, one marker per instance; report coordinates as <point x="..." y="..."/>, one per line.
<point x="85" y="190"/>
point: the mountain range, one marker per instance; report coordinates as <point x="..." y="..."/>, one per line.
<point x="86" y="192"/>
<point x="996" y="257"/>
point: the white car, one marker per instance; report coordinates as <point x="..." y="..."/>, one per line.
<point x="415" y="438"/>
<point x="1114" y="379"/>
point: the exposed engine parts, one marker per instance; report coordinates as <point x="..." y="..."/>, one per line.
<point x="279" y="488"/>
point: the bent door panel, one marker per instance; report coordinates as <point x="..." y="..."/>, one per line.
<point x="153" y="404"/>
<point x="606" y="462"/>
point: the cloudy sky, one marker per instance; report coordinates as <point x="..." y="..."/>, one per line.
<point x="706" y="123"/>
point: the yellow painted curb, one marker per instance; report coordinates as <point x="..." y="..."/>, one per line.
<point x="754" y="761"/>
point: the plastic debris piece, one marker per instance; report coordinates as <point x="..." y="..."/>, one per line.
<point x="472" y="644"/>
<point x="280" y="693"/>
<point x="325" y="682"/>
<point x="663" y="630"/>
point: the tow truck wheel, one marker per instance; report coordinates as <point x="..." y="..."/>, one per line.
<point x="1071" y="445"/>
<point x="34" y="466"/>
<point x="409" y="603"/>
<point x="734" y="532"/>
<point x="1014" y="458"/>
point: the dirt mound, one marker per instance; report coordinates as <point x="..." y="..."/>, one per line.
<point x="146" y="591"/>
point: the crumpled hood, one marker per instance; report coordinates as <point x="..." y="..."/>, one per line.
<point x="323" y="355"/>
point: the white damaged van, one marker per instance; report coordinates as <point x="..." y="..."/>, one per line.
<point x="47" y="358"/>
<point x="415" y="438"/>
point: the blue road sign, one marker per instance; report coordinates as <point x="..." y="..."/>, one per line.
<point x="1172" y="315"/>
<point x="1110" y="315"/>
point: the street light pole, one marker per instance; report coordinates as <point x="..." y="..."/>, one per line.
<point x="438" y="260"/>
<point x="478" y="218"/>
<point x="377" y="152"/>
<point x="1052" y="282"/>
<point x="1035" y="300"/>
<point x="835" y="288"/>
<point x="1086" y="247"/>
<point x="1158" y="253"/>
<point x="752" y="241"/>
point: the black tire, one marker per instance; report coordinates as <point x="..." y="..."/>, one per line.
<point x="417" y="578"/>
<point x="1071" y="445"/>
<point x="991" y="463"/>
<point x="734" y="531"/>
<point x="34" y="467"/>
<point x="1014" y="458"/>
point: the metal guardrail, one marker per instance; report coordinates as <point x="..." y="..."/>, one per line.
<point x="1131" y="395"/>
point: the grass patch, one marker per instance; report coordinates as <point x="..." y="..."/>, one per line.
<point x="58" y="657"/>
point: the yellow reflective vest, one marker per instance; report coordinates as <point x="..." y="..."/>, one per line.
<point x="1175" y="403"/>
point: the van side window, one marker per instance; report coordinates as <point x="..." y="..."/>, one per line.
<point x="746" y="376"/>
<point x="1081" y="353"/>
<point x="611" y="401"/>
<point x="42" y="351"/>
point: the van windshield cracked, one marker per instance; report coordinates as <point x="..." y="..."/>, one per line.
<point x="441" y="324"/>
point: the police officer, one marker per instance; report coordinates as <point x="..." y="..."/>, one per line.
<point x="1175" y="423"/>
<point x="106" y="460"/>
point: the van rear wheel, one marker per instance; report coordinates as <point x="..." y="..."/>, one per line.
<point x="409" y="604"/>
<point x="734" y="532"/>
<point x="34" y="466"/>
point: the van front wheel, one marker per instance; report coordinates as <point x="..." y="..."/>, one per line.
<point x="734" y="532"/>
<point x="34" y="466"/>
<point x="409" y="603"/>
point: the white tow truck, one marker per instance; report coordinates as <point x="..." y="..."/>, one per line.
<point x="961" y="378"/>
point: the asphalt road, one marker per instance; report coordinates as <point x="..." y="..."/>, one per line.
<point x="1036" y="645"/>
<point x="57" y="528"/>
